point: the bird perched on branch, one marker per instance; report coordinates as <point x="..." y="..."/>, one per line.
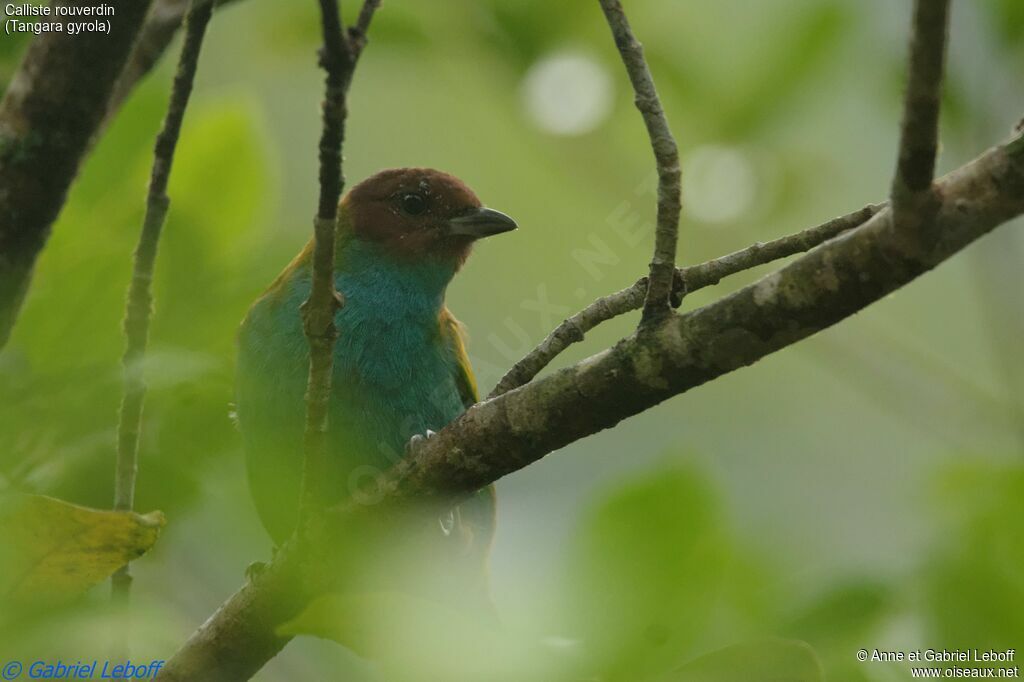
<point x="400" y="364"/>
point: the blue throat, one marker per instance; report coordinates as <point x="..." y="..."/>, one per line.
<point x="393" y="373"/>
<point x="377" y="286"/>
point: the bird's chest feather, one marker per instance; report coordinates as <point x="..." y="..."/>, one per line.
<point x="394" y="374"/>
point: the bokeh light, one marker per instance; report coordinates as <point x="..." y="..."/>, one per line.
<point x="567" y="93"/>
<point x="720" y="184"/>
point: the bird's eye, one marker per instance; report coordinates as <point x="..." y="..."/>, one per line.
<point x="413" y="204"/>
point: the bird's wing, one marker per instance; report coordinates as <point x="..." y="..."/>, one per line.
<point x="454" y="337"/>
<point x="476" y="515"/>
<point x="269" y="389"/>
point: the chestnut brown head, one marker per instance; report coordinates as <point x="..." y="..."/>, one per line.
<point x="419" y="213"/>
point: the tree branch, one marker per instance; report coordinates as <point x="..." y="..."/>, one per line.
<point x="688" y="280"/>
<point x="324" y="301"/>
<point x="138" y="308"/>
<point x="505" y="434"/>
<point x="338" y="57"/>
<point x="162" y="23"/>
<point x="919" y="134"/>
<point x="357" y="34"/>
<point x="813" y="292"/>
<point x="666" y="155"/>
<point x="52" y="108"/>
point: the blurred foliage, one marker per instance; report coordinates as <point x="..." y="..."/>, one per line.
<point x="787" y="500"/>
<point x="1008" y="21"/>
<point x="974" y="582"/>
<point x="416" y="639"/>
<point x="50" y="549"/>
<point x="767" y="660"/>
<point x="649" y="569"/>
<point x="644" y="574"/>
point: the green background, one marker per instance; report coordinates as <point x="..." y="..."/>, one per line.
<point x="862" y="489"/>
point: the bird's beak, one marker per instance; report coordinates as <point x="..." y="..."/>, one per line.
<point x="482" y="222"/>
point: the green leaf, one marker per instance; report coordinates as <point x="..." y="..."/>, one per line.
<point x="50" y="548"/>
<point x="786" y="67"/>
<point x="221" y="185"/>
<point x="1007" y="20"/>
<point x="415" y="639"/>
<point x="524" y="30"/>
<point x="843" y="615"/>
<point x="974" y="580"/>
<point x="773" y="660"/>
<point x="646" y="573"/>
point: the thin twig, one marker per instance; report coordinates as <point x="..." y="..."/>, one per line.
<point x="666" y="155"/>
<point x="357" y="34"/>
<point x="713" y="271"/>
<point x="687" y="280"/>
<point x="919" y="132"/>
<point x="338" y="58"/>
<point x="138" y="308"/>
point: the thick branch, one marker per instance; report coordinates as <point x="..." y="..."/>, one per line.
<point x="507" y="433"/>
<point x="138" y="308"/>
<point x="919" y="134"/>
<point x="688" y="280"/>
<point x="666" y="156"/>
<point x="50" y="112"/>
<point x="812" y="293"/>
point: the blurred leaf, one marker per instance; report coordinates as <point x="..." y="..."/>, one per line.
<point x="52" y="548"/>
<point x="220" y="192"/>
<point x="810" y="39"/>
<point x="775" y="660"/>
<point x="1007" y="19"/>
<point x="417" y="639"/>
<point x="221" y="174"/>
<point x="295" y="29"/>
<point x="401" y="26"/>
<point x="975" y="583"/>
<point x="840" y="621"/>
<point x="60" y="378"/>
<point x="644" y="573"/>
<point x="11" y="48"/>
<point x="526" y="29"/>
<point x="844" y="614"/>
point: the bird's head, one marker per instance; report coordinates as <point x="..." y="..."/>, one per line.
<point x="418" y="214"/>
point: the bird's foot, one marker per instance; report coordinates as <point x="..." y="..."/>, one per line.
<point x="416" y="441"/>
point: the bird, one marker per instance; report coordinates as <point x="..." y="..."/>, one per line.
<point x="401" y="371"/>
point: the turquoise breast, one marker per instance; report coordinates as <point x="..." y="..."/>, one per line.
<point x="394" y="376"/>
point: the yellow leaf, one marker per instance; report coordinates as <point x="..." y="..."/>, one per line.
<point x="50" y="548"/>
